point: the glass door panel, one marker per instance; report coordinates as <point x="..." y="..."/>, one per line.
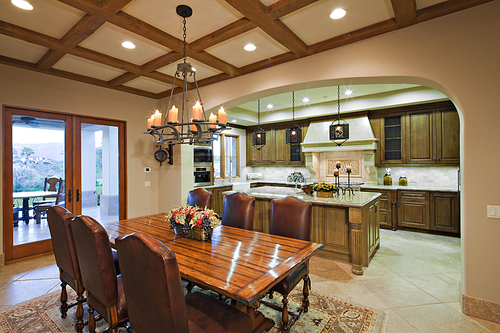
<point x="100" y="172"/>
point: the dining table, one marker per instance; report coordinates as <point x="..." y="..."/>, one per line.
<point x="240" y="264"/>
<point x="26" y="196"/>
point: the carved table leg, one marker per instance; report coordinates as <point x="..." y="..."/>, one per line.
<point x="260" y="322"/>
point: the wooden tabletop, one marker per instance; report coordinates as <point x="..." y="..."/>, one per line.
<point x="239" y="264"/>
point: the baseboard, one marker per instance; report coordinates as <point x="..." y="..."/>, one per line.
<point x="2" y="259"/>
<point x="481" y="308"/>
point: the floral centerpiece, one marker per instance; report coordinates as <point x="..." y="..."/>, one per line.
<point x="193" y="222"/>
<point x="324" y="189"/>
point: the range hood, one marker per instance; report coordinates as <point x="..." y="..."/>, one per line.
<point x="361" y="136"/>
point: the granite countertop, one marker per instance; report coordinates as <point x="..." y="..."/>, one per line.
<point x="359" y="199"/>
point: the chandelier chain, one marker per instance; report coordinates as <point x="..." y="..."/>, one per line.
<point x="338" y="102"/>
<point x="293" y="106"/>
<point x="184" y="38"/>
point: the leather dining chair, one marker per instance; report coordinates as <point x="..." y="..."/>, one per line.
<point x="238" y="211"/>
<point x="59" y="220"/>
<point x="200" y="197"/>
<point x="103" y="287"/>
<point x="291" y="217"/>
<point x="155" y="298"/>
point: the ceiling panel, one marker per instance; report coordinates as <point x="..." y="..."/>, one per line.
<point x="108" y="39"/>
<point x="147" y="84"/>
<point x="49" y="17"/>
<point x="426" y="3"/>
<point x="313" y="24"/>
<point x="86" y="67"/>
<point x="18" y="49"/>
<point x="232" y="50"/>
<point x="207" y="16"/>
<point x="202" y="71"/>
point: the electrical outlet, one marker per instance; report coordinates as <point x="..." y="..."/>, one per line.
<point x="493" y="212"/>
<point x="147" y="183"/>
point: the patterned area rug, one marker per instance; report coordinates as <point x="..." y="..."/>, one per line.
<point x="326" y="314"/>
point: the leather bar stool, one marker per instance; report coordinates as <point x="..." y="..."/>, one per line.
<point x="238" y="211"/>
<point x="156" y="301"/>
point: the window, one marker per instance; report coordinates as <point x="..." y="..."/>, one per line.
<point x="226" y="156"/>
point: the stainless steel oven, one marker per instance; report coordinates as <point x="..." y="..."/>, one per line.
<point x="202" y="155"/>
<point x="202" y="175"/>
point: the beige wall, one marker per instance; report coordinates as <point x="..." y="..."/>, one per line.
<point x="457" y="55"/>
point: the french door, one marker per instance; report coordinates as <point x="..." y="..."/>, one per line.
<point x="86" y="154"/>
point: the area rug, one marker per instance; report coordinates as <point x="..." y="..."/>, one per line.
<point x="326" y="314"/>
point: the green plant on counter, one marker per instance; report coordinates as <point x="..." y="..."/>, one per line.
<point x="324" y="187"/>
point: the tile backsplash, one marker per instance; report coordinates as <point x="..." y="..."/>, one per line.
<point x="446" y="177"/>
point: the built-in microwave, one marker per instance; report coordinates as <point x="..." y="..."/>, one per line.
<point x="202" y="155"/>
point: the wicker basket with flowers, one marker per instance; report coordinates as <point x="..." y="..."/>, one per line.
<point x="325" y="190"/>
<point x="193" y="222"/>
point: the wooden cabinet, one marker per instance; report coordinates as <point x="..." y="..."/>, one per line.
<point x="445" y="211"/>
<point x="276" y="151"/>
<point x="218" y="198"/>
<point x="373" y="223"/>
<point x="387" y="214"/>
<point x="413" y="209"/>
<point x="422" y="135"/>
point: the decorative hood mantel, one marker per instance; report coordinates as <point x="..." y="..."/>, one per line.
<point x="321" y="154"/>
<point x="361" y="136"/>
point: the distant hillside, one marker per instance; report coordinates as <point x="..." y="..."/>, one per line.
<point x="53" y="151"/>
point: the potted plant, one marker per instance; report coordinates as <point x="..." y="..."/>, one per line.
<point x="324" y="190"/>
<point x="193" y="222"/>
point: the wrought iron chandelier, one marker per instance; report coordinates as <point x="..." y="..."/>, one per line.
<point x="259" y="136"/>
<point x="339" y="129"/>
<point x="294" y="133"/>
<point x="175" y="128"/>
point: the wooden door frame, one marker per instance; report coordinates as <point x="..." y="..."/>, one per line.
<point x="72" y="160"/>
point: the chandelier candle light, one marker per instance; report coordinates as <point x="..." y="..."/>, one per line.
<point x="178" y="128"/>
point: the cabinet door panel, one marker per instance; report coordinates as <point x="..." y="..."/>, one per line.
<point x="414" y="214"/>
<point x="448" y="131"/>
<point x="336" y="229"/>
<point x="253" y="154"/>
<point x="392" y="129"/>
<point x="268" y="151"/>
<point x="280" y="145"/>
<point x="445" y="212"/>
<point x="419" y="137"/>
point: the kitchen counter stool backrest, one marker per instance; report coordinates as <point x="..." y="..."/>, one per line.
<point x="160" y="305"/>
<point x="200" y="197"/>
<point x="104" y="288"/>
<point x="59" y="220"/>
<point x="238" y="211"/>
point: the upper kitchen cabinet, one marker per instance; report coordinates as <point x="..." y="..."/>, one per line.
<point x="422" y="134"/>
<point x="276" y="151"/>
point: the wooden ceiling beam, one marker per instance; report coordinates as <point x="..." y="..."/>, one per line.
<point x="447" y="7"/>
<point x="121" y="79"/>
<point x="354" y="36"/>
<point x="87" y="25"/>
<point x="405" y="12"/>
<point x="72" y="76"/>
<point x="161" y="61"/>
<point x="256" y="12"/>
<point x="229" y="31"/>
<point x="285" y="7"/>
<point x="132" y="24"/>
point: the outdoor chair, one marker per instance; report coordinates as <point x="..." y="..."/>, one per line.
<point x="41" y="207"/>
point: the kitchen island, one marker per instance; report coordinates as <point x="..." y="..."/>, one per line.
<point x="348" y="226"/>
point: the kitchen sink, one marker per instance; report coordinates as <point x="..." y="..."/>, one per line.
<point x="241" y="186"/>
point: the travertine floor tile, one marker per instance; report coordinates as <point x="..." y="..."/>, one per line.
<point x="20" y="291"/>
<point x="396" y="324"/>
<point x="440" y="286"/>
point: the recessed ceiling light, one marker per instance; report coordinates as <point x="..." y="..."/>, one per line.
<point x="193" y="69"/>
<point x="337" y="14"/>
<point x="348" y="92"/>
<point x="270" y="106"/>
<point x="128" y="45"/>
<point x="234" y="121"/>
<point x="22" y="4"/>
<point x="249" y="47"/>
<point x="305" y="100"/>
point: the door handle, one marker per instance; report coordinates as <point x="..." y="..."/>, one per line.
<point x="78" y="195"/>
<point x="69" y="195"/>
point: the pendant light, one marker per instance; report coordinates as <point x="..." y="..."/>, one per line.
<point x="339" y="129"/>
<point x="177" y="127"/>
<point x="259" y="136"/>
<point x="294" y="133"/>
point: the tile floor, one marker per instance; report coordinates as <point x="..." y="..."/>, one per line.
<point x="413" y="277"/>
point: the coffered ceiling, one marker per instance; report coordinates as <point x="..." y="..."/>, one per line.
<point x="81" y="39"/>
